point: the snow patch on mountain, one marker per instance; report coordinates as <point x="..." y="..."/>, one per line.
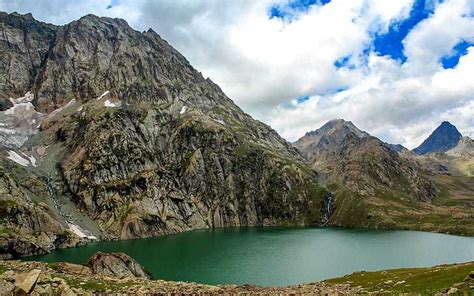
<point x="21" y="158"/>
<point x="69" y="104"/>
<point x="19" y="122"/>
<point x="79" y="231"/>
<point x="110" y="104"/>
<point x="103" y="95"/>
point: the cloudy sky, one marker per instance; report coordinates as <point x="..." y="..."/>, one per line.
<point x="396" y="68"/>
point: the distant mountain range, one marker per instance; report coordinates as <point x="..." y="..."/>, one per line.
<point x="389" y="186"/>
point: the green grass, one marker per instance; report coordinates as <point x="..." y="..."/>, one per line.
<point x="7" y="203"/>
<point x="411" y="280"/>
<point x="94" y="285"/>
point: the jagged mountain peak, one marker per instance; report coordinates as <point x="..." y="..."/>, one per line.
<point x="332" y="133"/>
<point x="443" y="138"/>
<point x="92" y="18"/>
<point x="344" y="126"/>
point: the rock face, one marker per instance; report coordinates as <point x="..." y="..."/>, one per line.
<point x="362" y="170"/>
<point x="27" y="228"/>
<point x="116" y="264"/>
<point x="24" y="43"/>
<point x="5" y="104"/>
<point x="443" y="138"/>
<point x="142" y="142"/>
<point x="464" y="148"/>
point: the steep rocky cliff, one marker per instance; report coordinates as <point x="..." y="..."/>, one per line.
<point x="28" y="227"/>
<point x="138" y="140"/>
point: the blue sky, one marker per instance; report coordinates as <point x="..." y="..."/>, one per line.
<point x="395" y="68"/>
<point x="391" y="43"/>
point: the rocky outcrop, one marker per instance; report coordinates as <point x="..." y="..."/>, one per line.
<point x="464" y="148"/>
<point x="27" y="228"/>
<point x="5" y="104"/>
<point x="116" y="264"/>
<point x="24" y="44"/>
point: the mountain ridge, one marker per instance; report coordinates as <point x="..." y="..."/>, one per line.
<point x="376" y="186"/>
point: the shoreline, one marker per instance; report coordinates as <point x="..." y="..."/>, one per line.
<point x="72" y="278"/>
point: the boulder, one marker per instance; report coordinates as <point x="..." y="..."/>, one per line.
<point x="5" y="104"/>
<point x="27" y="281"/>
<point x="117" y="264"/>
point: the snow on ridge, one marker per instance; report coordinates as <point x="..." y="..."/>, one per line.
<point x="12" y="155"/>
<point x="27" y="98"/>
<point x="103" y="95"/>
<point x="19" y="122"/>
<point x="27" y="106"/>
<point x="79" y="232"/>
<point x="183" y="109"/>
<point x="32" y="160"/>
<point x="219" y="121"/>
<point x="69" y="104"/>
<point x="108" y="103"/>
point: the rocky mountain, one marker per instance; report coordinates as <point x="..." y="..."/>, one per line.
<point x="375" y="186"/>
<point x="464" y="148"/>
<point x="27" y="227"/>
<point x="129" y="140"/>
<point x="443" y="138"/>
<point x="362" y="162"/>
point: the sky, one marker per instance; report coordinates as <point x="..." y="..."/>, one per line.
<point x="395" y="68"/>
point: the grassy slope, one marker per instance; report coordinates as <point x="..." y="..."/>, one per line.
<point x="415" y="280"/>
<point x="452" y="211"/>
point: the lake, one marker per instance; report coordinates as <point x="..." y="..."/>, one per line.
<point x="278" y="256"/>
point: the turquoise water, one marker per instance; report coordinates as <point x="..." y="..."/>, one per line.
<point x="278" y="256"/>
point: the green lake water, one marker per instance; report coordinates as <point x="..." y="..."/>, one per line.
<point x="278" y="256"/>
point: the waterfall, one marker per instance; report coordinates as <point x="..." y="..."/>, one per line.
<point x="328" y="208"/>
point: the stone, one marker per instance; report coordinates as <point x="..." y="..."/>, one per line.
<point x="117" y="264"/>
<point x="452" y="291"/>
<point x="6" y="287"/>
<point x="27" y="281"/>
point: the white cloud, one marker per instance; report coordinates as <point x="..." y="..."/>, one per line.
<point x="436" y="36"/>
<point x="265" y="63"/>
